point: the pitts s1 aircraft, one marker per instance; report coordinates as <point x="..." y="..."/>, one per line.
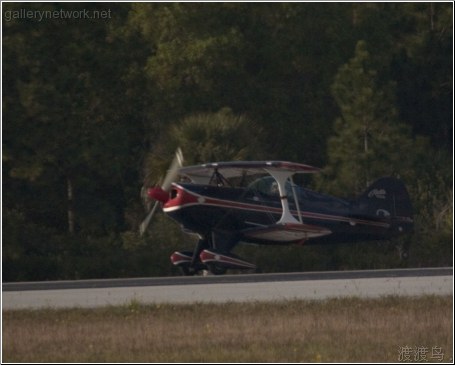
<point x="257" y="202"/>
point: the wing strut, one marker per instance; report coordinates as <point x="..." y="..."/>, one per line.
<point x="296" y="200"/>
<point x="281" y="176"/>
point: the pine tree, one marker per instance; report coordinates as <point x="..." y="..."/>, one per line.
<point x="206" y="137"/>
<point x="368" y="141"/>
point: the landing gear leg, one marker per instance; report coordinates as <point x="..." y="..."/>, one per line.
<point x="193" y="268"/>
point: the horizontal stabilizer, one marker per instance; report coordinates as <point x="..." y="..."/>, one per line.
<point x="286" y="233"/>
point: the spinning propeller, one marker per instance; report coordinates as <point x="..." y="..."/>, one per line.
<point x="161" y="193"/>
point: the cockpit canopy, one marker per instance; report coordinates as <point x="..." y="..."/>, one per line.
<point x="266" y="187"/>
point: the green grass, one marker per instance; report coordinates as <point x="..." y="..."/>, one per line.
<point x="335" y="330"/>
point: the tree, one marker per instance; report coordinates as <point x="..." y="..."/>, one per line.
<point x="87" y="101"/>
<point x="71" y="126"/>
<point x="368" y="141"/>
<point x="272" y="62"/>
<point x="207" y="137"/>
<point x="413" y="45"/>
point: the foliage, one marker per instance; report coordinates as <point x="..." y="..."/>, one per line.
<point x="206" y="137"/>
<point x="369" y="140"/>
<point x="92" y="106"/>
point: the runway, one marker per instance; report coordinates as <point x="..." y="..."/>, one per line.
<point x="234" y="288"/>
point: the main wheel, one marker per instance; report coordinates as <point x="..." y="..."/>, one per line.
<point x="186" y="270"/>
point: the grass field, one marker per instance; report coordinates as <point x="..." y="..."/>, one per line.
<point x="335" y="330"/>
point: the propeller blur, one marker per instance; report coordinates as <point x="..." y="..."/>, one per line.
<point x="161" y="194"/>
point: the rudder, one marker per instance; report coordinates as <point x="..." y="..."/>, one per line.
<point x="387" y="197"/>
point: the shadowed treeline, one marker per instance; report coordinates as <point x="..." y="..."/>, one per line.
<point x="96" y="97"/>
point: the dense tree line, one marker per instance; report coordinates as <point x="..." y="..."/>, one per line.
<point x="92" y="108"/>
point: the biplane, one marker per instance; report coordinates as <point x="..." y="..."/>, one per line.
<point x="227" y="203"/>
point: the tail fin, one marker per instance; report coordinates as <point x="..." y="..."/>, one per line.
<point x="387" y="197"/>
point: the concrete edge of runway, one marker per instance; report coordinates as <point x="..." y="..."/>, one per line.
<point x="310" y="286"/>
<point x="242" y="278"/>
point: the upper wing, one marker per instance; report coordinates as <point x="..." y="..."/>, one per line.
<point x="202" y="173"/>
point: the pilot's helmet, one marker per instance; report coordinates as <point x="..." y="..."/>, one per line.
<point x="274" y="188"/>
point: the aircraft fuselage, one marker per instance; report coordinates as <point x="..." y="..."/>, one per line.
<point x="205" y="208"/>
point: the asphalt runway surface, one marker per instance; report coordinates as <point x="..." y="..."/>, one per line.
<point x="228" y="288"/>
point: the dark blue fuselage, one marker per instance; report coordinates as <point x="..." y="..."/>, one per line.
<point x="204" y="209"/>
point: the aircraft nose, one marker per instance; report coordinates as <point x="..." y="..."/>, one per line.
<point x="159" y="194"/>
